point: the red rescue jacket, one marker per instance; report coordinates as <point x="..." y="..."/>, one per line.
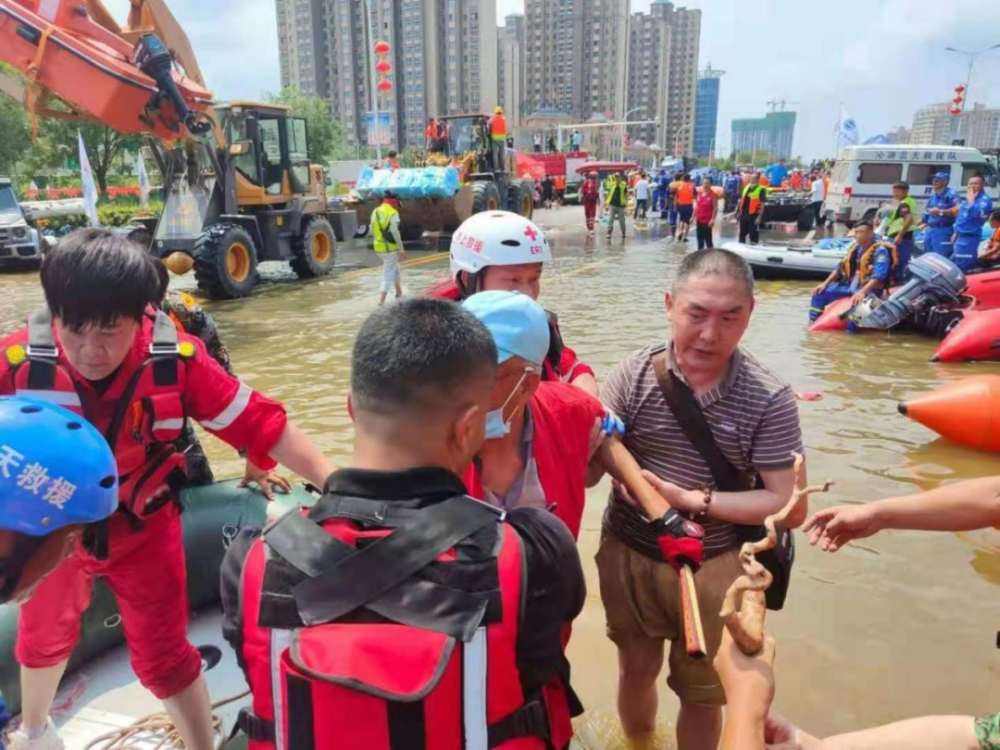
<point x="360" y="629"/>
<point x="590" y="192"/>
<point x="141" y="428"/>
<point x="563" y="418"/>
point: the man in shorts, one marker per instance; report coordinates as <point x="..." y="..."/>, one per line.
<point x="754" y="420"/>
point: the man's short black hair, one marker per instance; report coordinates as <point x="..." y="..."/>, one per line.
<point x="867" y="224"/>
<point x="417" y="355"/>
<point x="93" y="277"/>
<point x="714" y="262"/>
<point x="995" y="216"/>
<point x="901" y="186"/>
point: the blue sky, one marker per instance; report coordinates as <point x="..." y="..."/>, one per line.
<point x="883" y="58"/>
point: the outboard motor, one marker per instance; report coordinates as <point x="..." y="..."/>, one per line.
<point x="934" y="280"/>
<point x="155" y="60"/>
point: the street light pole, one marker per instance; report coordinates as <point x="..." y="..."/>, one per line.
<point x="968" y="78"/>
<point x="621" y="145"/>
<point x="370" y="36"/>
<point x="677" y="138"/>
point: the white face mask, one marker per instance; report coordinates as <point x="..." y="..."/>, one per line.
<point x="496" y="426"/>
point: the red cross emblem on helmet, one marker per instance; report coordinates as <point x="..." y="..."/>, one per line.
<point x="531" y="233"/>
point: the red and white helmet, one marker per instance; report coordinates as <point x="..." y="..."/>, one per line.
<point x="497" y="238"/>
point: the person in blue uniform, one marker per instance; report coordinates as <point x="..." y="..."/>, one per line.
<point x="973" y="211"/>
<point x="776" y="173"/>
<point x="660" y="193"/>
<point x="867" y="269"/>
<point x="732" y="190"/>
<point x="939" y="217"/>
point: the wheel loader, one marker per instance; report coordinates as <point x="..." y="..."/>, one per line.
<point x="485" y="183"/>
<point x="238" y="185"/>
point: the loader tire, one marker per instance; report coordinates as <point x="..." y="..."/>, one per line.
<point x="314" y="251"/>
<point x="225" y="261"/>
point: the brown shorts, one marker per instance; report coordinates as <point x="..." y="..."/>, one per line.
<point x="642" y="604"/>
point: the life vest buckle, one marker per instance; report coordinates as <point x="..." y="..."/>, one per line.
<point x="42" y="351"/>
<point x="161" y="349"/>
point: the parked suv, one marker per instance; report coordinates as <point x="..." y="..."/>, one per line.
<point x="20" y="244"/>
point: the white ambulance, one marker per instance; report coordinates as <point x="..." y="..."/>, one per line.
<point x="863" y="176"/>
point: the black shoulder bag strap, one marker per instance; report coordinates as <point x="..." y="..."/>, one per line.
<point x="727" y="478"/>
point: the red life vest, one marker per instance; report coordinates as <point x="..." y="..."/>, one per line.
<point x="145" y="422"/>
<point x="390" y="643"/>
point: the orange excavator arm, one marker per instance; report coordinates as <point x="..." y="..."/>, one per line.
<point x="143" y="78"/>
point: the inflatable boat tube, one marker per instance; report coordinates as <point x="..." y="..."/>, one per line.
<point x="976" y="337"/>
<point x="213" y="515"/>
<point x="966" y="411"/>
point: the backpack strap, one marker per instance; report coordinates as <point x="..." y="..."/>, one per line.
<point x="343" y="578"/>
<point x="42" y="352"/>
<point x="164" y="351"/>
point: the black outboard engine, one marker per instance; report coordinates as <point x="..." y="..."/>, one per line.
<point x="934" y="280"/>
<point x="153" y="59"/>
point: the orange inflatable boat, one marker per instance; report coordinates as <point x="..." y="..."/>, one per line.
<point x="966" y="411"/>
<point x="74" y="52"/>
<point x="976" y="337"/>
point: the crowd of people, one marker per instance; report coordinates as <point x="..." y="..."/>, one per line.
<point x="450" y="538"/>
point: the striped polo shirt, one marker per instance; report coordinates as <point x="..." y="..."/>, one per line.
<point x="753" y="416"/>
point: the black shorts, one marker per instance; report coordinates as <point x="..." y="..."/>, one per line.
<point x="684" y="213"/>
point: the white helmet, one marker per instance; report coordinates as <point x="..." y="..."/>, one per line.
<point x="497" y="238"/>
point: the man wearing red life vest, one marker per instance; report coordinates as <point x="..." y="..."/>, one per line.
<point x="499" y="250"/>
<point x="398" y="612"/>
<point x="101" y="350"/>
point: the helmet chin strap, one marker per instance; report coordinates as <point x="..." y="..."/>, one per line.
<point x="468" y="283"/>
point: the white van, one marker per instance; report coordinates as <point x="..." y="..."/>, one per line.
<point x="863" y="176"/>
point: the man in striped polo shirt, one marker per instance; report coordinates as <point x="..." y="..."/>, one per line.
<point x="754" y="420"/>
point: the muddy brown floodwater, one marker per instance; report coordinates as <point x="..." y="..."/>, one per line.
<point x="903" y="624"/>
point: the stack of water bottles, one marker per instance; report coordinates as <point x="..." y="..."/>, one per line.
<point x="408" y="184"/>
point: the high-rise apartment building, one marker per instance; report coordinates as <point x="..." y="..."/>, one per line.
<point x="510" y="68"/>
<point x="575" y="55"/>
<point x="773" y="133"/>
<point x="706" y="111"/>
<point x="663" y="74"/>
<point x="302" y="45"/>
<point x="444" y="59"/>
<point x="978" y="126"/>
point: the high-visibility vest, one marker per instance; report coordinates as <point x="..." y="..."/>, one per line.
<point x="616" y="190"/>
<point x="755" y="203"/>
<point x="896" y="220"/>
<point x="381" y="220"/>
<point x="498" y="127"/>
<point x="864" y="266"/>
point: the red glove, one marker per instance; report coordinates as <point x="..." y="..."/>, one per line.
<point x="681" y="541"/>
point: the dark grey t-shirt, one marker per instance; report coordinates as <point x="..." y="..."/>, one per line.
<point x="753" y="416"/>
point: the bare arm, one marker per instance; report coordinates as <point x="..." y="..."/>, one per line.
<point x="745" y="508"/>
<point x="588" y="384"/>
<point x="297" y="453"/>
<point x="963" y="506"/>
<point x="924" y="733"/>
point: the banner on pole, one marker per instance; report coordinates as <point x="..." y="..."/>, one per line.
<point x="89" y="188"/>
<point x="379" y="129"/>
<point x="140" y="171"/>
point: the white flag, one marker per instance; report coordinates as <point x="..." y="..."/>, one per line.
<point x="848" y="135"/>
<point x="140" y="170"/>
<point x="89" y="188"/>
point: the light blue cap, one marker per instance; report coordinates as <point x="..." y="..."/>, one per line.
<point x="941" y="176"/>
<point x="519" y="325"/>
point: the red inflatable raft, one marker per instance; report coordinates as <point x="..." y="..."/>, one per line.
<point x="966" y="411"/>
<point x="67" y="54"/>
<point x="976" y="337"/>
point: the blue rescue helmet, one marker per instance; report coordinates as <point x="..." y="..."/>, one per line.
<point x="56" y="469"/>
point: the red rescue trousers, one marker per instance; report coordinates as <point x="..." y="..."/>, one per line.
<point x="146" y="571"/>
<point x="590" y="211"/>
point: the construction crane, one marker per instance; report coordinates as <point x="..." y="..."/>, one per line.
<point x="783" y="103"/>
<point x="238" y="185"/>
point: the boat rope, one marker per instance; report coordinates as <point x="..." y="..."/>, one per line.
<point x="157" y="732"/>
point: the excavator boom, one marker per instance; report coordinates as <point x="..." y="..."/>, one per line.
<point x="77" y="62"/>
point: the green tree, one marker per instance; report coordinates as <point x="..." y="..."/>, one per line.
<point x="105" y="146"/>
<point x="15" y="130"/>
<point x="325" y="138"/>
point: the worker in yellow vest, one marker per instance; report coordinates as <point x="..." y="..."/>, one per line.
<point x="498" y="132"/>
<point x="388" y="244"/>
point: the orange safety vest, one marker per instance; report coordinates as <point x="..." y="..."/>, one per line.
<point x="685" y="194"/>
<point x="498" y="127"/>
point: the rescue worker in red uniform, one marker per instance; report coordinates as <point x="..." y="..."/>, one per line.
<point x="590" y="194"/>
<point x="398" y="612"/>
<point x="101" y="349"/>
<point x="499" y="250"/>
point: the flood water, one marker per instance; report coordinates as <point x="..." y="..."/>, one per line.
<point x="901" y="625"/>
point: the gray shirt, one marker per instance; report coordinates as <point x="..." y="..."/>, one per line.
<point x="753" y="416"/>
